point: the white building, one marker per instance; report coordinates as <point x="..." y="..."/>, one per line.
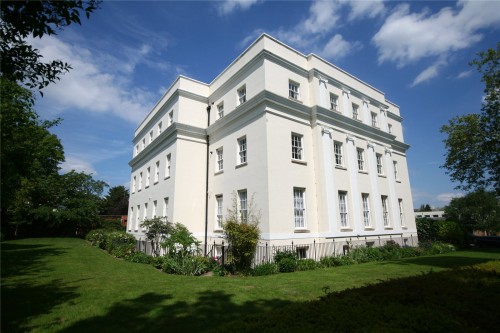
<point x="321" y="152"/>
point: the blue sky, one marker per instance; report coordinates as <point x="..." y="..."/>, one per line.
<point x="129" y="52"/>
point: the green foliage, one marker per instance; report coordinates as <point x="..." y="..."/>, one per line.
<point x="181" y="241"/>
<point x="427" y="229"/>
<point x="242" y="237"/>
<point x="366" y="254"/>
<point x="437" y="248"/>
<point x="452" y="232"/>
<point x="97" y="237"/>
<point x="306" y="264"/>
<point x="140" y="258"/>
<point x="477" y="210"/>
<point x="22" y="19"/>
<point x="265" y="269"/>
<point x="287" y="265"/>
<point x="115" y="202"/>
<point x="157" y="231"/>
<point x="120" y="244"/>
<point x="186" y="265"/>
<point x="473" y="140"/>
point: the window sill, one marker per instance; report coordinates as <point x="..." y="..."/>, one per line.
<point x="168" y="177"/>
<point x="301" y="230"/>
<point x="241" y="165"/>
<point x="147" y="186"/>
<point x="344" y="229"/>
<point x="340" y="167"/>
<point x="369" y="228"/>
<point x="295" y="100"/>
<point x="139" y="190"/>
<point x="156" y="182"/>
<point x="404" y="227"/>
<point x="382" y="175"/>
<point x="388" y="228"/>
<point x="219" y="231"/>
<point x="363" y="172"/>
<point x="299" y="162"/>
<point x="218" y="172"/>
<point x="398" y="181"/>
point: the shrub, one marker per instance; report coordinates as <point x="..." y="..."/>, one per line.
<point x="181" y="241"/>
<point x="427" y="229"/>
<point x="287" y="265"/>
<point x="157" y="262"/>
<point x="365" y="254"/>
<point x="438" y="248"/>
<point x="265" y="269"/>
<point x="451" y="232"/>
<point x="140" y="258"/>
<point x="185" y="265"/>
<point x="120" y="244"/>
<point x="306" y="264"/>
<point x="97" y="237"/>
<point x="390" y="251"/>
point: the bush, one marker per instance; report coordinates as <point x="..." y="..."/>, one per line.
<point x="265" y="269"/>
<point x="287" y="265"/>
<point x="438" y="248"/>
<point x="120" y="244"/>
<point x="306" y="264"/>
<point x="451" y="232"/>
<point x="97" y="237"/>
<point x="140" y="258"/>
<point x="185" y="265"/>
<point x="365" y="254"/>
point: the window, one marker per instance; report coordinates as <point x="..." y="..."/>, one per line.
<point x="301" y="252"/>
<point x="165" y="209"/>
<point x="148" y="176"/>
<point x="143" y="143"/>
<point x="355" y="111"/>
<point x="133" y="184"/>
<point x="389" y="128"/>
<point x="170" y="117"/>
<point x="137" y="217"/>
<point x="220" y="110"/>
<point x="333" y="102"/>
<point x="159" y="129"/>
<point x="242" y="95"/>
<point x="343" y="209"/>
<point x="130" y="219"/>
<point x="401" y="212"/>
<point x="242" y="195"/>
<point x="155" y="207"/>
<point x="157" y="171"/>
<point x="366" y="209"/>
<point x="385" y="211"/>
<point x="299" y="208"/>
<point x="220" y="159"/>
<point x="293" y="90"/>
<point x="150" y="136"/>
<point x="242" y="147"/>
<point x="140" y="181"/>
<point x="136" y="150"/>
<point x="167" y="166"/>
<point x="218" y="199"/>
<point x="374" y="119"/>
<point x="361" y="160"/>
<point x="297" y="147"/>
<point x="380" y="169"/>
<point x="145" y="213"/>
<point x="337" y="148"/>
<point x="396" y="173"/>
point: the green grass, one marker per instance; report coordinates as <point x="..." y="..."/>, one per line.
<point x="66" y="285"/>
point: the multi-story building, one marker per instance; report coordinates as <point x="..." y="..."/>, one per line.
<point x="320" y="152"/>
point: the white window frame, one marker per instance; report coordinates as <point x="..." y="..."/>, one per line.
<point x="171" y="117"/>
<point x="243" y="206"/>
<point x="219" y="201"/>
<point x="338" y="153"/>
<point x="145" y="213"/>
<point x="219" y="164"/>
<point x="220" y="110"/>
<point x="396" y="171"/>
<point x="140" y="181"/>
<point x="130" y="221"/>
<point x="401" y="212"/>
<point x="361" y="159"/>
<point x="374" y="119"/>
<point x="148" y="176"/>
<point x="294" y="90"/>
<point x="365" y="199"/>
<point x="165" y="208"/>
<point x="385" y="211"/>
<point x="297" y="147"/>
<point x="389" y="128"/>
<point x="380" y="165"/>
<point x="242" y="94"/>
<point x="159" y="128"/>
<point x="168" y="162"/>
<point x="355" y="111"/>
<point x="155" y="207"/>
<point x="242" y="150"/>
<point x="134" y="181"/>
<point x="151" y="136"/>
<point x="157" y="171"/>
<point x="137" y="150"/>
<point x="334" y="106"/>
<point x="143" y="143"/>
<point x="137" y="218"/>
<point x="343" y="209"/>
<point x="299" y="207"/>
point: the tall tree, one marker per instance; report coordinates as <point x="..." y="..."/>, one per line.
<point x="21" y="62"/>
<point x="473" y="140"/>
<point x="116" y="201"/>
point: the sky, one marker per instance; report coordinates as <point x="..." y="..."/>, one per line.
<point x="129" y="52"/>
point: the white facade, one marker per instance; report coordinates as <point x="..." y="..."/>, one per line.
<point x="320" y="151"/>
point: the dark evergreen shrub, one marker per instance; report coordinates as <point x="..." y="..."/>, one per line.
<point x="287" y="265"/>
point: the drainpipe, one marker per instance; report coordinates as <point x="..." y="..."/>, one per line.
<point x="206" y="181"/>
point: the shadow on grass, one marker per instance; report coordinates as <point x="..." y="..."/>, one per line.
<point x="24" y="259"/>
<point x="152" y="312"/>
<point x="442" y="261"/>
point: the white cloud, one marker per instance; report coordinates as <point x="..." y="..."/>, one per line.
<point x="429" y="73"/>
<point x="445" y="198"/>
<point x="97" y="83"/>
<point x="464" y="74"/>
<point x="229" y="6"/>
<point x="370" y="9"/>
<point x="77" y="164"/>
<point x="408" y="37"/>
<point x="337" y="47"/>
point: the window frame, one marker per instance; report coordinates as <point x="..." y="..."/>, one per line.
<point x="401" y="212"/>
<point x="338" y="153"/>
<point x="385" y="210"/>
<point x="219" y="163"/>
<point x="343" y="209"/>
<point x="220" y="110"/>
<point x="380" y="164"/>
<point x="168" y="163"/>
<point x="243" y="206"/>
<point x="365" y="200"/>
<point x="219" y="202"/>
<point x="242" y="151"/>
<point x="355" y="111"/>
<point x="294" y="90"/>
<point x="334" y="102"/>
<point x="157" y="172"/>
<point x="374" y="121"/>
<point x="396" y="171"/>
<point x="297" y="147"/>
<point x="241" y="94"/>
<point x="170" y="117"/>
<point x="360" y="153"/>
<point x="165" y="208"/>
<point x="299" y="207"/>
<point x="148" y="176"/>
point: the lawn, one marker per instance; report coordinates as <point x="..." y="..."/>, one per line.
<point x="66" y="285"/>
